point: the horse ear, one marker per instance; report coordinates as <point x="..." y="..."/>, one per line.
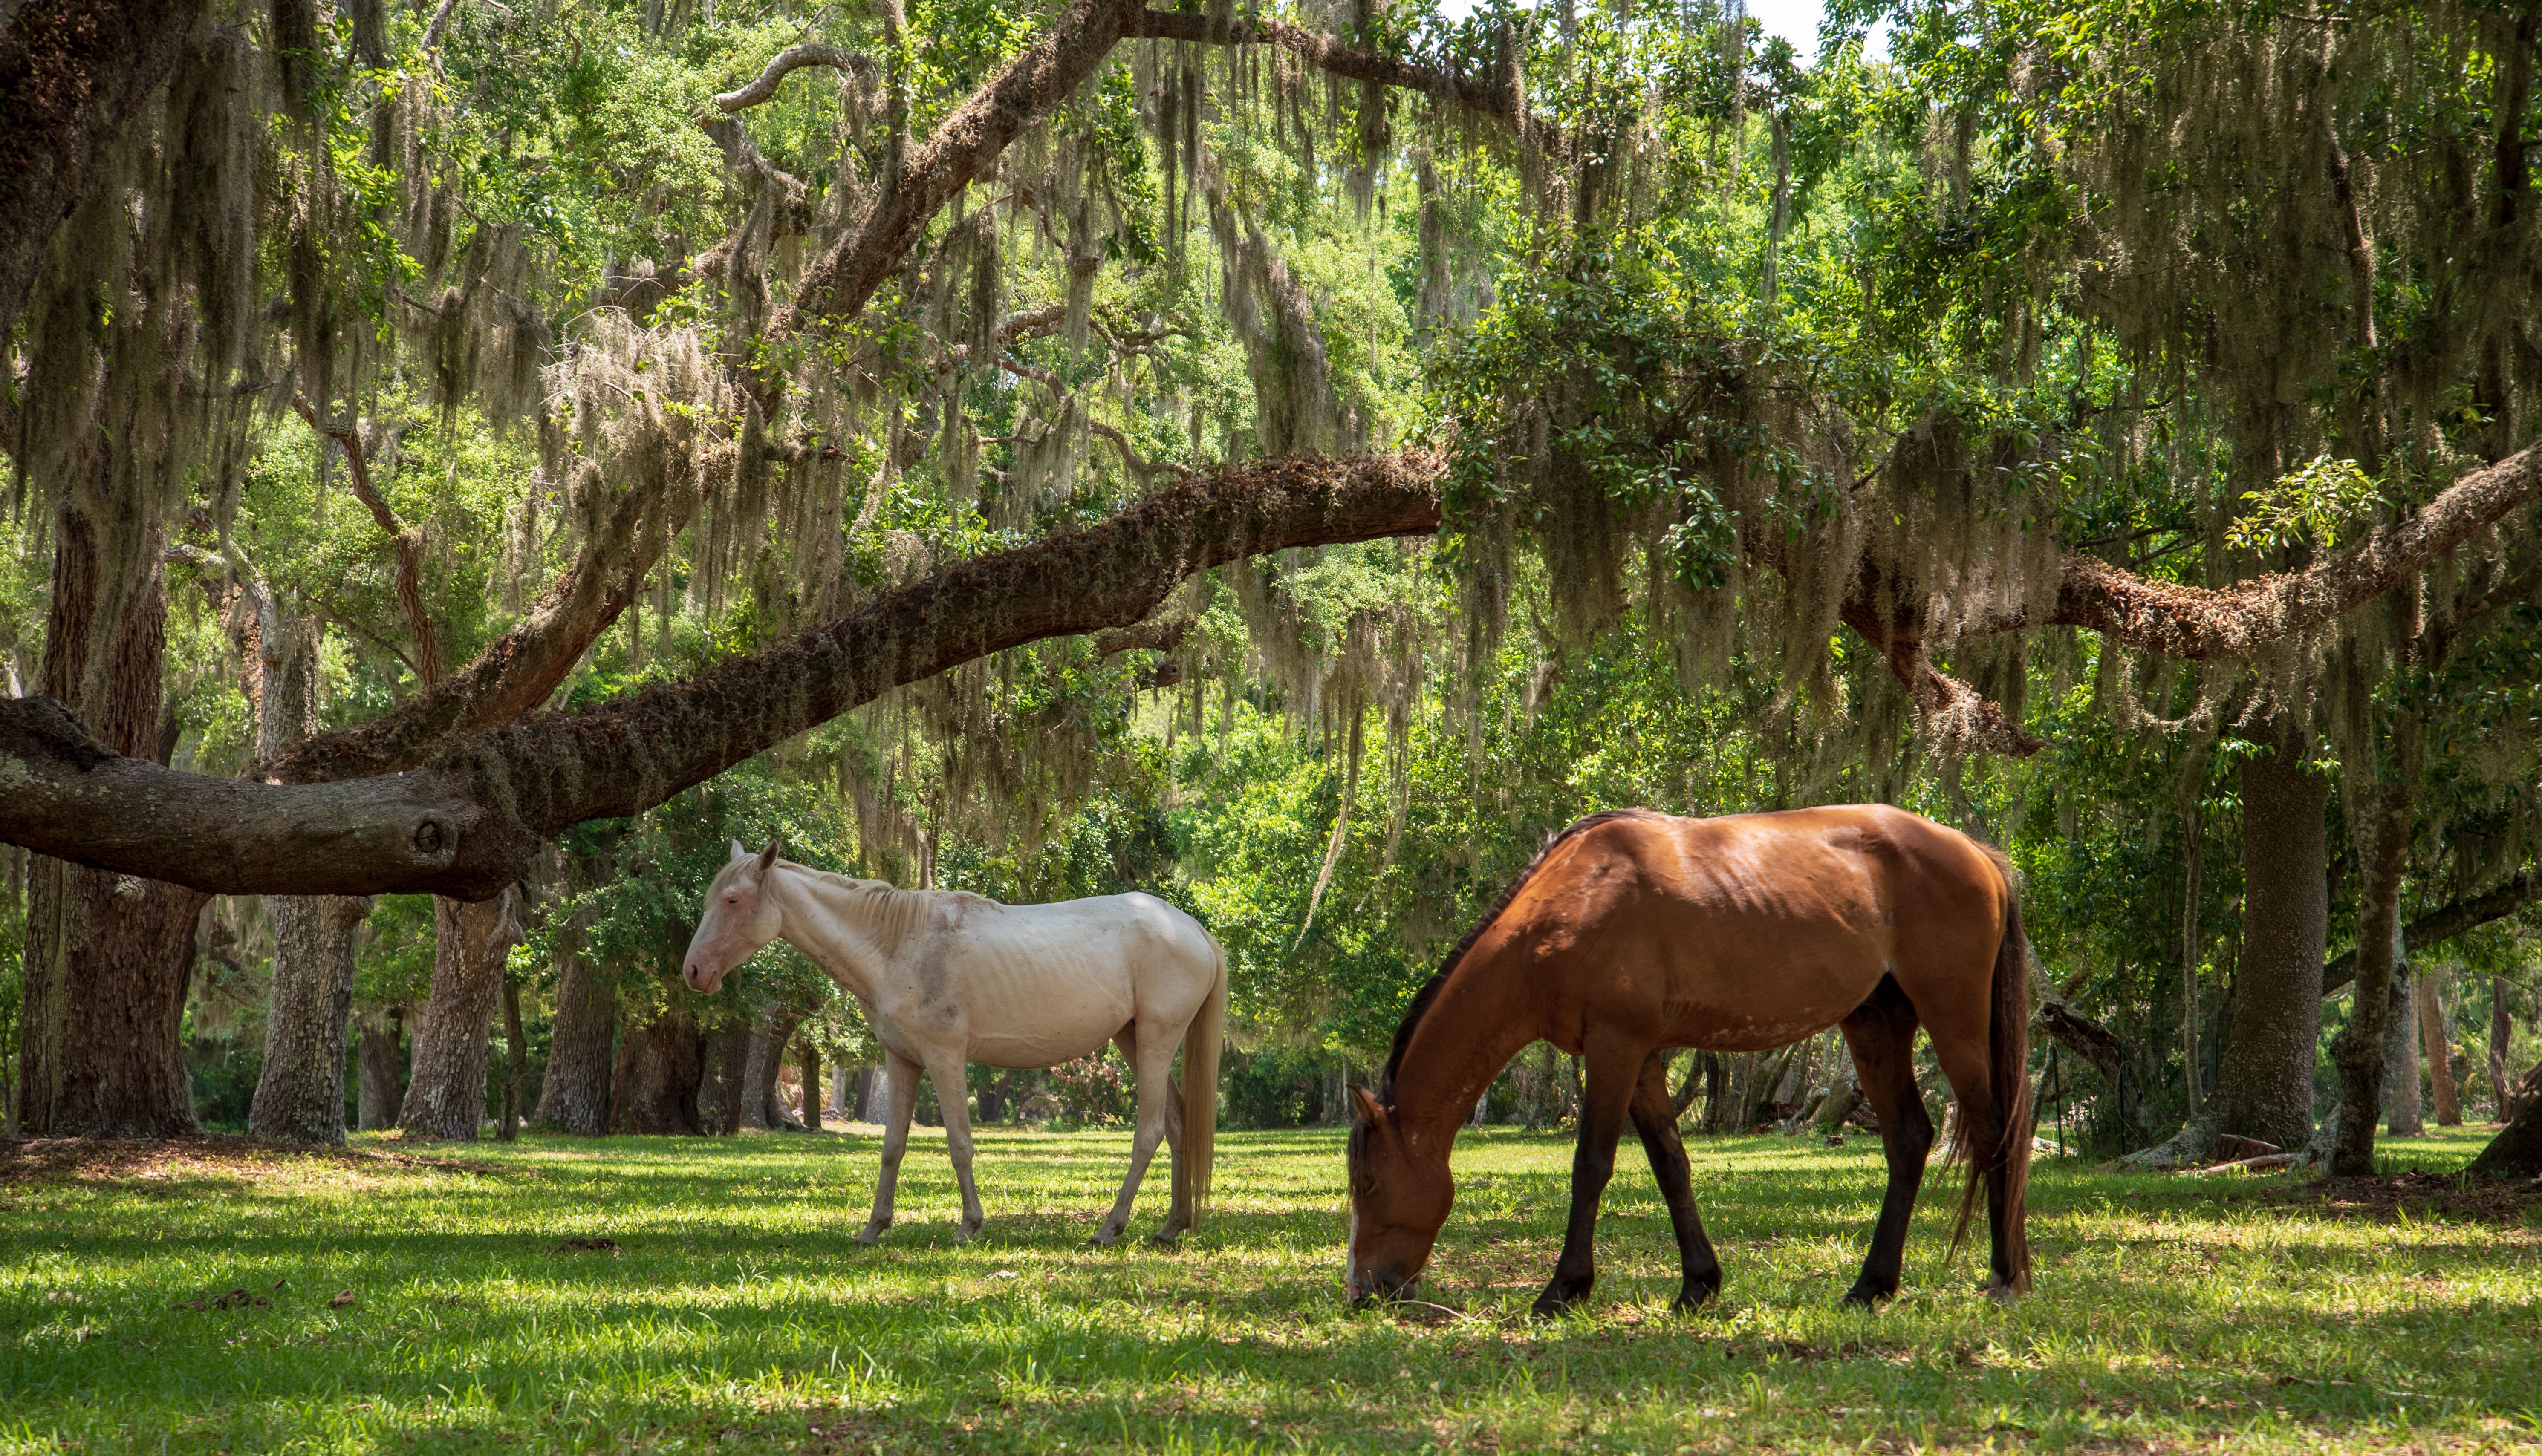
<point x="1366" y="1102"/>
<point x="739" y="853"/>
<point x="767" y="857"/>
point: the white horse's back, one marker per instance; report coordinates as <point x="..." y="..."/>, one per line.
<point x="1040" y="984"/>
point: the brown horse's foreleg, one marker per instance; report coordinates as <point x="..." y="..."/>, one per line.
<point x="1603" y="1105"/>
<point x="1654" y="1118"/>
<point x="1881" y="1033"/>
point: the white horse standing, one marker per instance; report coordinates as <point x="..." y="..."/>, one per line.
<point x="949" y="978"/>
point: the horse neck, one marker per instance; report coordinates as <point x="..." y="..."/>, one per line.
<point x="1479" y="1020"/>
<point x="849" y="928"/>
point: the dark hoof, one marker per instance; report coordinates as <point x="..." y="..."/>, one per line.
<point x="1864" y="1296"/>
<point x="1561" y="1299"/>
<point x="1694" y="1298"/>
<point x="1549" y="1308"/>
<point x="1167" y="1238"/>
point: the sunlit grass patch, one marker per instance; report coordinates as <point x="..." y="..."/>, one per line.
<point x="702" y="1295"/>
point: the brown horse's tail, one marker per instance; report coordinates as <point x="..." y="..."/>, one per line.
<point x="1201" y="1041"/>
<point x="2008" y="1087"/>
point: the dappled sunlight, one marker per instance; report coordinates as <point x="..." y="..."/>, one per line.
<point x="730" y="1306"/>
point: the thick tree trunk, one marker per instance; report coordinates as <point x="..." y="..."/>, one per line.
<point x="719" y="1099"/>
<point x="2403" y="1106"/>
<point x="811" y="1074"/>
<point x="109" y="957"/>
<point x="575" y="1096"/>
<point x="2502" y="1035"/>
<point x="300" y="1091"/>
<point x="762" y="1106"/>
<point x="2264" y="1082"/>
<point x="654" y="1089"/>
<point x="873" y="1093"/>
<point x="382" y="1087"/>
<point x="445" y="1096"/>
<point x="2439" y="1050"/>
<point x="2382" y="821"/>
<point x="516" y="1060"/>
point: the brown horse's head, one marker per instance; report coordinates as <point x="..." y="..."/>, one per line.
<point x="737" y="920"/>
<point x="1400" y="1193"/>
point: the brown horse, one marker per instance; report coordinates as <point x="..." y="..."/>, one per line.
<point x="1637" y="933"/>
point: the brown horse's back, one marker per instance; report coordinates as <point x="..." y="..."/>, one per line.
<point x="1750" y="931"/>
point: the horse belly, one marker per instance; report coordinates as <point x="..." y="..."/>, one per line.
<point x="1044" y="1019"/>
<point x="1769" y="983"/>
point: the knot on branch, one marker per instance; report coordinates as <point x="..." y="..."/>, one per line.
<point x="46" y="728"/>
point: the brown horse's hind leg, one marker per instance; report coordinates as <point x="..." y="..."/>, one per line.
<point x="1654" y="1118"/>
<point x="1880" y="1032"/>
<point x="1604" y="1104"/>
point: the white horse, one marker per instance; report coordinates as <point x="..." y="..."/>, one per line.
<point x="949" y="978"/>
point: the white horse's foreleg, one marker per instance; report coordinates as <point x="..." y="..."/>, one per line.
<point x="954" y="1097"/>
<point x="903" y="1075"/>
<point x="1151" y="1058"/>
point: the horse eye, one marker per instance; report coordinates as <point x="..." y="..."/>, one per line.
<point x="732" y="899"/>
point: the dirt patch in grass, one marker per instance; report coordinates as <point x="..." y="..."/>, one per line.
<point x="207" y="1155"/>
<point x="2414" y="1195"/>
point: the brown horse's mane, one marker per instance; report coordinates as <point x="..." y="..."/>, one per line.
<point x="1429" y="991"/>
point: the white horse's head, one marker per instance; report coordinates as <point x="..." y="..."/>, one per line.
<point x="739" y="918"/>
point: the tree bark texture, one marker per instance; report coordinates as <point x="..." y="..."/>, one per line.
<point x="2382" y="819"/>
<point x="73" y="74"/>
<point x="109" y="957"/>
<point x="2405" y="1113"/>
<point x="762" y="1105"/>
<point x="574" y="1095"/>
<point x="2264" y="1080"/>
<point x="811" y="1074"/>
<point x="382" y="1086"/>
<point x="300" y="1090"/>
<point x="516" y="1060"/>
<point x="445" y="1095"/>
<point x="2516" y="1151"/>
<point x="655" y="1088"/>
<point x="2439" y="1049"/>
<point x="720" y="1107"/>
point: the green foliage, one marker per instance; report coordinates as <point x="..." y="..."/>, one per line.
<point x="2306" y="505"/>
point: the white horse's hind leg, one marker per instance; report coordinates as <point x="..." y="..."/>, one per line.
<point x="903" y="1075"/>
<point x="1151" y="1058"/>
<point x="954" y="1097"/>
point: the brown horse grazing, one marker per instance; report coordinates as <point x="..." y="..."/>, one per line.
<point x="1635" y="934"/>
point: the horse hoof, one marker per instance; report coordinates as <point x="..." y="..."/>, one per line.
<point x="1102" y="1238"/>
<point x="1692" y="1299"/>
<point x="964" y="1233"/>
<point x="869" y="1236"/>
<point x="1862" y="1297"/>
<point x="1167" y="1238"/>
<point x="2002" y="1294"/>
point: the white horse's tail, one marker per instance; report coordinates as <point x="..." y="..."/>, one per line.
<point x="1201" y="1042"/>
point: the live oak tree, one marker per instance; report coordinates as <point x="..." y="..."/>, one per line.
<point x="2063" y="464"/>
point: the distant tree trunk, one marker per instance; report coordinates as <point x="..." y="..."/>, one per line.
<point x="109" y="958"/>
<point x="300" y="1091"/>
<point x="381" y="1088"/>
<point x="811" y="1060"/>
<point x="2382" y="821"/>
<point x="873" y="1093"/>
<point x="2404" y="1108"/>
<point x="655" y="1088"/>
<point x="574" y="1094"/>
<point x="445" y="1096"/>
<point x="762" y="1059"/>
<point x="2502" y="1035"/>
<point x="2264" y="1081"/>
<point x="2439" y="1050"/>
<point x="719" y="1095"/>
<point x="516" y="1060"/>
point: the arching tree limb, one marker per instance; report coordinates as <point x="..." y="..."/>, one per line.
<point x="2446" y="921"/>
<point x="461" y="825"/>
<point x="786" y="62"/>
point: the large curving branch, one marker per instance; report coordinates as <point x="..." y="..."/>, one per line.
<point x="2445" y="922"/>
<point x="463" y="825"/>
<point x="788" y="62"/>
<point x="968" y="141"/>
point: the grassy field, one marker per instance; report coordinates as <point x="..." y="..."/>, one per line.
<point x="435" y="1303"/>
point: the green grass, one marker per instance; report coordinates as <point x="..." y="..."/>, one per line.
<point x="737" y="1314"/>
